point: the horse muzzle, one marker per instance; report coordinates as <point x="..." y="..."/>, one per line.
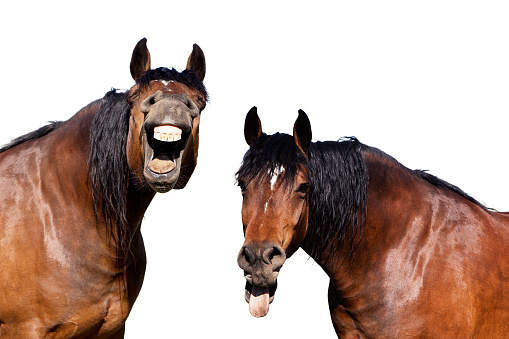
<point x="261" y="264"/>
<point x="165" y="134"/>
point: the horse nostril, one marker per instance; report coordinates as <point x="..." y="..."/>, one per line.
<point x="147" y="104"/>
<point x="274" y="255"/>
<point x="246" y="258"/>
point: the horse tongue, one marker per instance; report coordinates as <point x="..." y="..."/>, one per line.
<point x="259" y="302"/>
<point x="161" y="166"/>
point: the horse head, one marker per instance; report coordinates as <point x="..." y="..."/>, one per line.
<point x="162" y="145"/>
<point x="275" y="189"/>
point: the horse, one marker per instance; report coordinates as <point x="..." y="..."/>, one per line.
<point x="73" y="195"/>
<point x="407" y="254"/>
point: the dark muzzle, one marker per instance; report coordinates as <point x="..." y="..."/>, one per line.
<point x="261" y="263"/>
<point x="167" y="128"/>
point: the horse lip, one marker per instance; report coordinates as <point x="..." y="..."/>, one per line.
<point x="249" y="278"/>
<point x="249" y="288"/>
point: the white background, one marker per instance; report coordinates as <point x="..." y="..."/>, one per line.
<point x="425" y="81"/>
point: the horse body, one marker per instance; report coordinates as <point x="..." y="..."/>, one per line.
<point x="408" y="255"/>
<point x="69" y="268"/>
<point x="51" y="282"/>
<point x="429" y="263"/>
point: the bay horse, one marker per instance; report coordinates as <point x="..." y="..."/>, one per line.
<point x="407" y="254"/>
<point x="73" y="195"/>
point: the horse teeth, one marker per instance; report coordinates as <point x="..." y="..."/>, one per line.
<point x="167" y="137"/>
<point x="167" y="133"/>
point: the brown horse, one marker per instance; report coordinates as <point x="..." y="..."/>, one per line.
<point x="408" y="254"/>
<point x="73" y="195"/>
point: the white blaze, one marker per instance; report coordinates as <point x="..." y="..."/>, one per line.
<point x="275" y="175"/>
<point x="164" y="82"/>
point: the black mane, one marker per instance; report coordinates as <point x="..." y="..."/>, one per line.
<point x="430" y="178"/>
<point x="53" y="125"/>
<point x="107" y="166"/>
<point x="338" y="196"/>
<point x="338" y="186"/>
<point x="435" y="181"/>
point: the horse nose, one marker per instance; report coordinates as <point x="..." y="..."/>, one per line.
<point x="261" y="262"/>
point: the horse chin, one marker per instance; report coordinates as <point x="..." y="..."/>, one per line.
<point x="163" y="182"/>
<point x="259" y="298"/>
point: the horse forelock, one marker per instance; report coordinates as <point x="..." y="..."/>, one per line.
<point x="108" y="169"/>
<point x="186" y="77"/>
<point x="268" y="155"/>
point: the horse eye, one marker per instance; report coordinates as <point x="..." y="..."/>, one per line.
<point x="303" y="188"/>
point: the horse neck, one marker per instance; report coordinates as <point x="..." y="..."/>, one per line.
<point x="76" y="133"/>
<point x="394" y="200"/>
<point x="138" y="200"/>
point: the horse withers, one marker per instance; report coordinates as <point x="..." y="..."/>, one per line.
<point x="408" y="254"/>
<point x="73" y="195"/>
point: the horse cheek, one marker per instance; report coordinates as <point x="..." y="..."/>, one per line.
<point x="299" y="230"/>
<point x="190" y="156"/>
<point x="134" y="150"/>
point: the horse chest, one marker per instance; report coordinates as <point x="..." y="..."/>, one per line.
<point x="57" y="288"/>
<point x="86" y="319"/>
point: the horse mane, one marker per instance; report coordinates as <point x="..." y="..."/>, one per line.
<point x="430" y="178"/>
<point x="437" y="182"/>
<point x="53" y="125"/>
<point x="338" y="197"/>
<point x="107" y="166"/>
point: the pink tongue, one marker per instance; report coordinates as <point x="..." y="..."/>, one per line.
<point x="259" y="302"/>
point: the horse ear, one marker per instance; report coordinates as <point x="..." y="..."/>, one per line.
<point x="252" y="126"/>
<point x="196" y="62"/>
<point x="140" y="61"/>
<point x="302" y="132"/>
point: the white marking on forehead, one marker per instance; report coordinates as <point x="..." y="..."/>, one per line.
<point x="164" y="82"/>
<point x="275" y="175"/>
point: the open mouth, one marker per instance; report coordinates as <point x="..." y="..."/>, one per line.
<point x="166" y="143"/>
<point x="259" y="298"/>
